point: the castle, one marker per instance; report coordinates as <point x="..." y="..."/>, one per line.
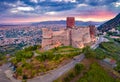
<point x="71" y="36"/>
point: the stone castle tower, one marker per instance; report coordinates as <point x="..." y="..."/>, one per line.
<point x="74" y="36"/>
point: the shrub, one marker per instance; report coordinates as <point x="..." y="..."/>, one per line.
<point x="19" y="71"/>
<point x="66" y="79"/>
<point x="71" y="75"/>
<point x="89" y="52"/>
<point x="24" y="77"/>
<point x="117" y="68"/>
<point x="78" y="68"/>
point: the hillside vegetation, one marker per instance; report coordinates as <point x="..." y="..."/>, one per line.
<point x="32" y="62"/>
<point x="87" y="71"/>
<point x="97" y="74"/>
<point x="108" y="49"/>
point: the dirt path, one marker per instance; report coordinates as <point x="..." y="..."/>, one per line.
<point x="3" y="77"/>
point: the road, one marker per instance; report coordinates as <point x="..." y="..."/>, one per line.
<point x="100" y="39"/>
<point x="54" y="74"/>
<point x="3" y="77"/>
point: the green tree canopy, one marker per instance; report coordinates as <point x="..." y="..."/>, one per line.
<point x="89" y="52"/>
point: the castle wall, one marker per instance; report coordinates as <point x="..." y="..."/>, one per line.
<point x="46" y="42"/>
<point x="46" y="33"/>
<point x="66" y="39"/>
<point x="80" y="36"/>
<point x="76" y="37"/>
<point x="63" y="38"/>
<point x="46" y="37"/>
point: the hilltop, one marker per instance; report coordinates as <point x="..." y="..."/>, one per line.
<point x="113" y="23"/>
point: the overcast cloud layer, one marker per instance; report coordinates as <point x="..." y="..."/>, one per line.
<point x="20" y="11"/>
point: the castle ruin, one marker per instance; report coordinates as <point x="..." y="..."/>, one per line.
<point x="71" y="36"/>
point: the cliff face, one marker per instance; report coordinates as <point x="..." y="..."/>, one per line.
<point x="113" y="23"/>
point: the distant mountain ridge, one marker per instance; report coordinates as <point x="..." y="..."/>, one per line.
<point x="63" y="22"/>
<point x="59" y="22"/>
<point x="113" y="23"/>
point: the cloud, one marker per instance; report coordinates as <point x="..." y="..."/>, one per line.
<point x="51" y="13"/>
<point x="72" y="1"/>
<point x="35" y="1"/>
<point x="117" y="4"/>
<point x="9" y="4"/>
<point x="58" y="8"/>
<point x="25" y="8"/>
<point x="82" y="5"/>
<point x="100" y="2"/>
<point x="19" y="9"/>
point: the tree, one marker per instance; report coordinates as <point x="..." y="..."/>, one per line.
<point x="78" y="68"/>
<point x="89" y="52"/>
<point x="117" y="68"/>
<point x="19" y="71"/>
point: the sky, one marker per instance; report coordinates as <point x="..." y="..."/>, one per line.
<point x="23" y="11"/>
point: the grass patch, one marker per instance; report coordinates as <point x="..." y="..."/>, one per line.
<point x="97" y="74"/>
<point x="100" y="53"/>
<point x="109" y="49"/>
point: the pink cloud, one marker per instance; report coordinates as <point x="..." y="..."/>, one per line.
<point x="98" y="16"/>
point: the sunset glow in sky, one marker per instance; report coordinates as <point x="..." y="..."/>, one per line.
<point x="22" y="11"/>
